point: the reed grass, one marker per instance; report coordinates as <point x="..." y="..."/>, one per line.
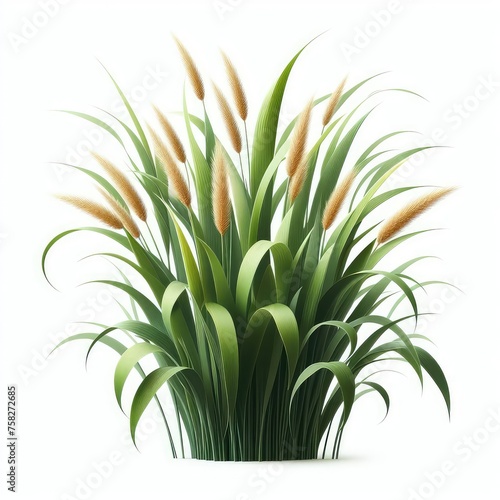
<point x="265" y="306"/>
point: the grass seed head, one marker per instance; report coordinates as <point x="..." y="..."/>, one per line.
<point x="299" y="140"/>
<point x="192" y="71"/>
<point x="297" y="181"/>
<point x="124" y="216"/>
<point x="94" y="209"/>
<point x="336" y="200"/>
<point x="173" y="138"/>
<point x="229" y="120"/>
<point x="221" y="200"/>
<point x="410" y="212"/>
<point x="124" y="186"/>
<point x="239" y="95"/>
<point x="333" y="102"/>
<point x="174" y="175"/>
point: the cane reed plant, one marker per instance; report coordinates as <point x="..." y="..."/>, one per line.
<point x="265" y="311"/>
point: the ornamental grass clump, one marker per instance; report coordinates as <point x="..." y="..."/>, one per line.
<point x="254" y="269"/>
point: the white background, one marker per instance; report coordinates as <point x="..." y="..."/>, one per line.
<point x="68" y="419"/>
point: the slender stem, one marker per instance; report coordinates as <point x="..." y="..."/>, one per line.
<point x="189" y="171"/>
<point x="326" y="439"/>
<point x="285" y="200"/>
<point x="223" y="253"/>
<point x="230" y="254"/>
<point x="323" y="243"/>
<point x="144" y="243"/>
<point x="241" y="171"/>
<point x="174" y="397"/>
<point x="336" y="446"/>
<point x="154" y="241"/>
<point x="248" y="145"/>
<point x="187" y="174"/>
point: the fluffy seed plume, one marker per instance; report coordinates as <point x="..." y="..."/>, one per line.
<point x="240" y="98"/>
<point x="229" y="120"/>
<point x="125" y="218"/>
<point x="173" y="138"/>
<point x="221" y="202"/>
<point x="408" y="213"/>
<point x="174" y="175"/>
<point x="124" y="186"/>
<point x="94" y="209"/>
<point x="192" y="71"/>
<point x="297" y="181"/>
<point x="336" y="200"/>
<point x="333" y="102"/>
<point x="299" y="140"/>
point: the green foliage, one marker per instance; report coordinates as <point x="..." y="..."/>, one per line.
<point x="262" y="335"/>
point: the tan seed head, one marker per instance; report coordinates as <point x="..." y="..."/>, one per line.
<point x="299" y="141"/>
<point x="94" y="209"/>
<point x="239" y="95"/>
<point x="124" y="186"/>
<point x="333" y="102"/>
<point x="410" y="212"/>
<point x="297" y="181"/>
<point x="125" y="218"/>
<point x="221" y="200"/>
<point x="336" y="200"/>
<point x="192" y="71"/>
<point x="174" y="175"/>
<point x="229" y="120"/>
<point x="173" y="138"/>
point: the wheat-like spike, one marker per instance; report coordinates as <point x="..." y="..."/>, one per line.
<point x="333" y="102"/>
<point x="337" y="198"/>
<point x="173" y="138"/>
<point x="229" y="120"/>
<point x="299" y="140"/>
<point x="94" y="209"/>
<point x="192" y="71"/>
<point x="125" y="218"/>
<point x="408" y="213"/>
<point x="124" y="186"/>
<point x="221" y="201"/>
<point x="240" y="98"/>
<point x="174" y="175"/>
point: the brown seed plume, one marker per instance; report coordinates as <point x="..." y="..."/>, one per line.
<point x="221" y="200"/>
<point x="408" y="213"/>
<point x="333" y="102"/>
<point x="174" y="175"/>
<point x="173" y="138"/>
<point x="299" y="140"/>
<point x="297" y="181"/>
<point x="125" y="218"/>
<point x="239" y="95"/>
<point x="229" y="120"/>
<point x="192" y="71"/>
<point x="124" y="186"/>
<point x="336" y="200"/>
<point x="94" y="209"/>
